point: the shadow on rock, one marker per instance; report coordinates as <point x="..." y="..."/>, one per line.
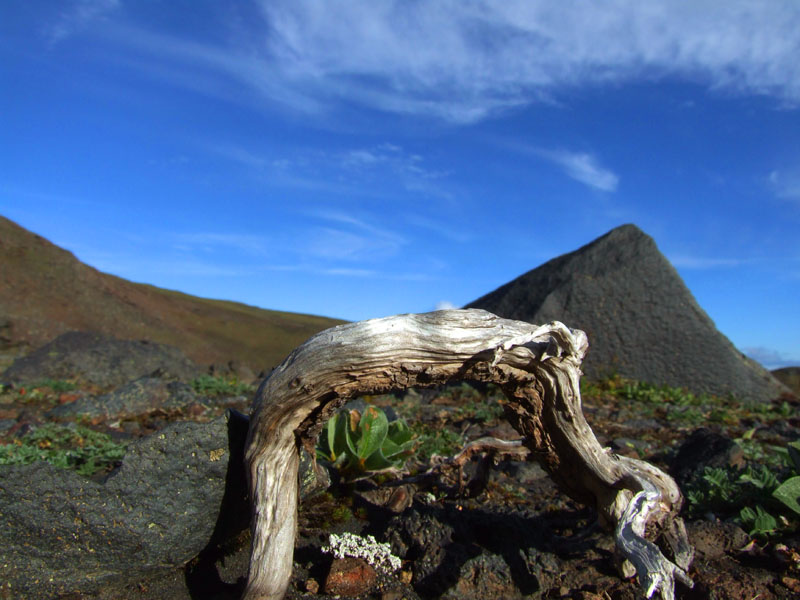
<point x="203" y="577"/>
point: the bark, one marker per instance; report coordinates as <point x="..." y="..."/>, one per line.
<point x="538" y="369"/>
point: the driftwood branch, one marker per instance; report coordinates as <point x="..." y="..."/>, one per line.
<point x="538" y="369"/>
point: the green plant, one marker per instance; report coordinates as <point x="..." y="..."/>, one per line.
<point x="757" y="486"/>
<point x="361" y="444"/>
<point x="758" y="522"/>
<point x="788" y="492"/>
<point x="57" y="385"/>
<point x="77" y="447"/>
<point x="437" y="440"/>
<point x="215" y="386"/>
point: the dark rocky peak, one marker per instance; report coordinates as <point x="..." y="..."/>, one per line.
<point x="641" y="319"/>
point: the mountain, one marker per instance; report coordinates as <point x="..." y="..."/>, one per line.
<point x="790" y="377"/>
<point x="641" y="319"/>
<point x="45" y="291"/>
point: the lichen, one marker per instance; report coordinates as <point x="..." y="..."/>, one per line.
<point x="375" y="553"/>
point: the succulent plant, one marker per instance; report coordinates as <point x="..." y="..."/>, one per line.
<point x="360" y="444"/>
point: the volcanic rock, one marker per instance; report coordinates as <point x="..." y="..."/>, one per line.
<point x="178" y="494"/>
<point x="100" y="360"/>
<point x="641" y="319"/>
<point x="704" y="448"/>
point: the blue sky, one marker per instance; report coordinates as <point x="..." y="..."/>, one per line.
<point x="364" y="158"/>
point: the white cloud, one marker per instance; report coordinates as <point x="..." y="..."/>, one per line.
<point x="444" y="305"/>
<point x="582" y="167"/>
<point x="466" y="61"/>
<point x="785" y="183"/>
<point x="771" y="359"/>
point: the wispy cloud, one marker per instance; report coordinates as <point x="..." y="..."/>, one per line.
<point x="582" y="167"/>
<point x="463" y="62"/>
<point x="345" y="237"/>
<point x="700" y="262"/>
<point x="376" y="170"/>
<point x="439" y="228"/>
<point x="771" y="359"/>
<point x="76" y="16"/>
<point x="785" y="183"/>
<point x="210" y="242"/>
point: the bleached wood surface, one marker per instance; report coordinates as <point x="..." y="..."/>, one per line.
<point x="538" y="369"/>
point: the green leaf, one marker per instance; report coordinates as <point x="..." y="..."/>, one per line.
<point x="788" y="493"/>
<point x="763" y="479"/>
<point x="374" y="426"/>
<point x="759" y="521"/>
<point x="393" y="451"/>
<point x="377" y="462"/>
<point x="337" y="436"/>
<point x="399" y="432"/>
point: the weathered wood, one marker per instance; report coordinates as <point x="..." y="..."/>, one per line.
<point x="538" y="369"/>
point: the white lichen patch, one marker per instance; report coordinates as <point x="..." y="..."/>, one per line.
<point x="376" y="554"/>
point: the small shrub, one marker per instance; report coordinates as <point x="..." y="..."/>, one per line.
<point x="78" y="448"/>
<point x="758" y="487"/>
<point x="437" y="440"/>
<point x="215" y="386"/>
<point x="56" y="385"/>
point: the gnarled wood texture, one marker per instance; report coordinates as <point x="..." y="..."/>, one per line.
<point x="538" y="369"/>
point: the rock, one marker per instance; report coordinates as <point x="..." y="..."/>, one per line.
<point x="457" y="552"/>
<point x="641" y="319"/>
<point x="712" y="540"/>
<point x="100" y="360"/>
<point x="632" y="447"/>
<point x="135" y="398"/>
<point x="350" y="577"/>
<point x="704" y="448"/>
<point x="178" y="494"/>
<point x="485" y="576"/>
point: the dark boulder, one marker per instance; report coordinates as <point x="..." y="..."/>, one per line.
<point x="178" y="494"/>
<point x="641" y="319"/>
<point x="704" y="448"/>
<point x="100" y="360"/>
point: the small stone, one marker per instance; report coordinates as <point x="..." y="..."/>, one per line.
<point x="350" y="577"/>
<point x="312" y="587"/>
<point x="791" y="583"/>
<point x="67" y="398"/>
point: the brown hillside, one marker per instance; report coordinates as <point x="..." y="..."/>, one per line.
<point x="45" y="291"/>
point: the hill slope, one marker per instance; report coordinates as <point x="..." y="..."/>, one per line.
<point x="641" y="319"/>
<point x="46" y="291"/>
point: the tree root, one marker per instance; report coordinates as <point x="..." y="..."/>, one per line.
<point x="538" y="369"/>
